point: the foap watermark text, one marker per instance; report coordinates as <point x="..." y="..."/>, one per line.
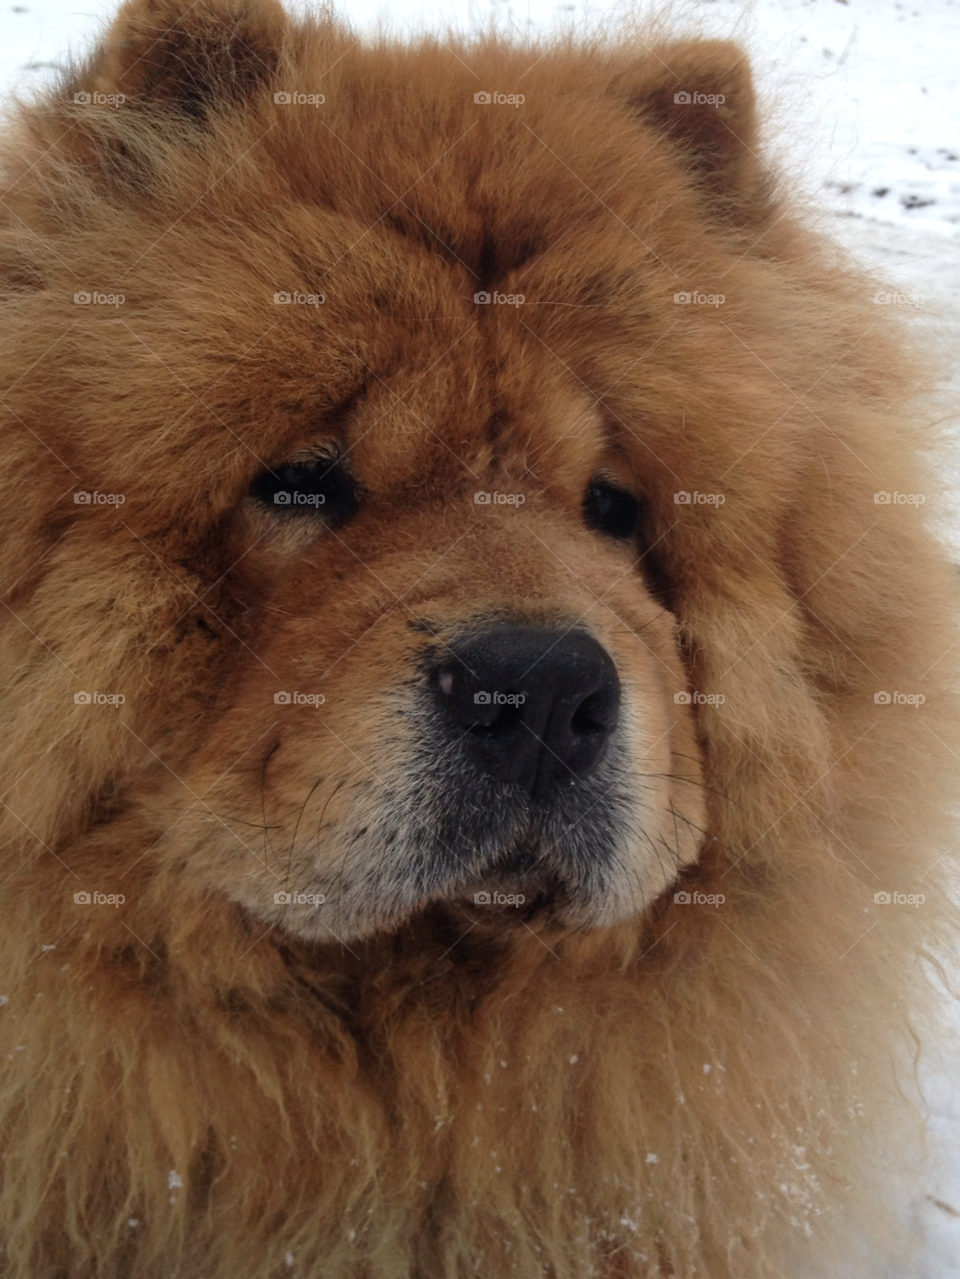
<point x="284" y="497"/>
<point x="899" y="299"/>
<point x="86" y="298"/>
<point x="290" y="98"/>
<point x="884" y="698"/>
<point x="84" y="898"/>
<point x="684" y="98"/>
<point x="483" y="698"/>
<point x="485" y="99"/>
<point x="98" y="699"/>
<point x="698" y="699"/>
<point x="498" y="499"/>
<point x="296" y="298"/>
<point x="683" y="498"/>
<point x="883" y="498"/>
<point x="83" y="498"/>
<point x="95" y="99"/>
<point x="694" y="298"/>
<point x="499" y="299"/>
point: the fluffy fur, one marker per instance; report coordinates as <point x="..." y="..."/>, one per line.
<point x="192" y="1089"/>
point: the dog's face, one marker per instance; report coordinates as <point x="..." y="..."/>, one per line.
<point x="462" y="686"/>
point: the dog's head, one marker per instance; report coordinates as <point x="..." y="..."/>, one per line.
<point x="404" y="434"/>
<point x="422" y="463"/>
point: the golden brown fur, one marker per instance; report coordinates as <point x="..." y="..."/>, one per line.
<point x="449" y="1094"/>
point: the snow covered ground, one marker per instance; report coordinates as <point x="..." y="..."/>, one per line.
<point x="864" y="99"/>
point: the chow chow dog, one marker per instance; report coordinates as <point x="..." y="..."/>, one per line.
<point x="478" y="681"/>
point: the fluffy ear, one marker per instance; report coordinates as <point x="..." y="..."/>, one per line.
<point x="189" y="57"/>
<point x="700" y="94"/>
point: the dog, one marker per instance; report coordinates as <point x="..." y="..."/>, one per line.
<point x="478" y="677"/>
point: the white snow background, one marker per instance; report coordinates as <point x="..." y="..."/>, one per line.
<point x="865" y="100"/>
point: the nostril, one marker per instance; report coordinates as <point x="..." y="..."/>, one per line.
<point x="584" y="723"/>
<point x="592" y="715"/>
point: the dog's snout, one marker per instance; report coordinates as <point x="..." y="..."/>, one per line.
<point x="532" y="705"/>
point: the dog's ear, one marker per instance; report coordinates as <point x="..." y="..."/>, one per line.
<point x="188" y="58"/>
<point x="700" y="95"/>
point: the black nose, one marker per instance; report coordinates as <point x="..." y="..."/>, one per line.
<point x="531" y="705"/>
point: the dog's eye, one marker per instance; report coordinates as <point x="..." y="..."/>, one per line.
<point x="610" y="511"/>
<point x="318" y="487"/>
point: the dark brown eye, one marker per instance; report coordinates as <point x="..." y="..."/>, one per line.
<point x="321" y="486"/>
<point x="611" y="511"/>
